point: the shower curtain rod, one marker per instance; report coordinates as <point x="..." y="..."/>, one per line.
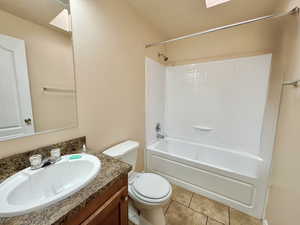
<point x="291" y="12"/>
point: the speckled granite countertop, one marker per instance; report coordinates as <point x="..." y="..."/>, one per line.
<point x="111" y="170"/>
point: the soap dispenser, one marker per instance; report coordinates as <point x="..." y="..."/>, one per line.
<point x="84" y="149"/>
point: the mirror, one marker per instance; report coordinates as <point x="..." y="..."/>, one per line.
<point x="37" y="87"/>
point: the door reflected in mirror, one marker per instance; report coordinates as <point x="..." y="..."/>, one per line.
<point x="37" y="88"/>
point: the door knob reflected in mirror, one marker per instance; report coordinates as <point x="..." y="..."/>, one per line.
<point x="28" y="121"/>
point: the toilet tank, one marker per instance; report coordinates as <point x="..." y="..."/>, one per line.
<point x="125" y="151"/>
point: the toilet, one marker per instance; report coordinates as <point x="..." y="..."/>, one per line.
<point x="148" y="191"/>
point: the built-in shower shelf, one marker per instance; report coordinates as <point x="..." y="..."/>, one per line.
<point x="202" y="128"/>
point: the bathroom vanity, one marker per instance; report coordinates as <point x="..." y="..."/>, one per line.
<point x="107" y="208"/>
<point x="103" y="201"/>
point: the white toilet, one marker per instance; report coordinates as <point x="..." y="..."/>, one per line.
<point x="148" y="191"/>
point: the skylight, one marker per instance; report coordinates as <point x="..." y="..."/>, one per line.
<point x="62" y="21"/>
<point x="212" y="3"/>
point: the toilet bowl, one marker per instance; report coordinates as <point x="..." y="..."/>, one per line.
<point x="148" y="191"/>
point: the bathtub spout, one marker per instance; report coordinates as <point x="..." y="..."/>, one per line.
<point x="160" y="136"/>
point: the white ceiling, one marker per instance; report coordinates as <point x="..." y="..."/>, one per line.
<point x="37" y="11"/>
<point x="178" y="17"/>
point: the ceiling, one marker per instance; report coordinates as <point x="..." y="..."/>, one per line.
<point x="178" y="17"/>
<point x="37" y="11"/>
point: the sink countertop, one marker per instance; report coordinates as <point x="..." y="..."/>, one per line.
<point x="111" y="170"/>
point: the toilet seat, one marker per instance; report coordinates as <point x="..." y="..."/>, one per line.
<point x="150" y="188"/>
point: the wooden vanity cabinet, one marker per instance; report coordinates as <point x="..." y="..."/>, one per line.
<point x="109" y="208"/>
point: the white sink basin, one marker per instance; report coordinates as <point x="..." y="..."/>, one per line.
<point x="30" y="190"/>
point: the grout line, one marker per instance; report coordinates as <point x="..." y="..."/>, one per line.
<point x="199" y="212"/>
<point x="195" y="211"/>
<point x="215" y="220"/>
<point x="168" y="207"/>
<point x="181" y="204"/>
<point x="191" y="199"/>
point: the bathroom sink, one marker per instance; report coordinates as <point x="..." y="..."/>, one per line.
<point x="30" y="190"/>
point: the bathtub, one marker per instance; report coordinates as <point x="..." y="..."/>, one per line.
<point x="229" y="177"/>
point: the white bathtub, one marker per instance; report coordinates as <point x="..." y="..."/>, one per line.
<point x="226" y="176"/>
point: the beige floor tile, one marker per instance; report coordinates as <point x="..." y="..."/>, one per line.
<point x="213" y="222"/>
<point x="178" y="214"/>
<point x="239" y="218"/>
<point x="181" y="195"/>
<point x="213" y="209"/>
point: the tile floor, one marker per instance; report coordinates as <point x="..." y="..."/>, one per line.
<point x="187" y="208"/>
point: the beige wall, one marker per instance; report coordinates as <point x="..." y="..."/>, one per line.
<point x="245" y="40"/>
<point x="50" y="63"/>
<point x="109" y="42"/>
<point x="110" y="53"/>
<point x="283" y="206"/>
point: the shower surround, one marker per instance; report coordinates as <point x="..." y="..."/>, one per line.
<point x="213" y="115"/>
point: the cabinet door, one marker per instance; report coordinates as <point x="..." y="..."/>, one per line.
<point x="113" y="212"/>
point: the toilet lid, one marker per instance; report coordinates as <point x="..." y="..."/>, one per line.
<point x="151" y="186"/>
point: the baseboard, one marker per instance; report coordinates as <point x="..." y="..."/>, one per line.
<point x="265" y="222"/>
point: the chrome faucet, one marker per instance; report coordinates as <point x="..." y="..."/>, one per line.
<point x="159" y="134"/>
<point x="37" y="161"/>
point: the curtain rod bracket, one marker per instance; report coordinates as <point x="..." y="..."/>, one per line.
<point x="295" y="11"/>
<point x="292" y="83"/>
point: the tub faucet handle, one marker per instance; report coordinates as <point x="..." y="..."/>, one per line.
<point x="158" y="127"/>
<point x="159" y="134"/>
